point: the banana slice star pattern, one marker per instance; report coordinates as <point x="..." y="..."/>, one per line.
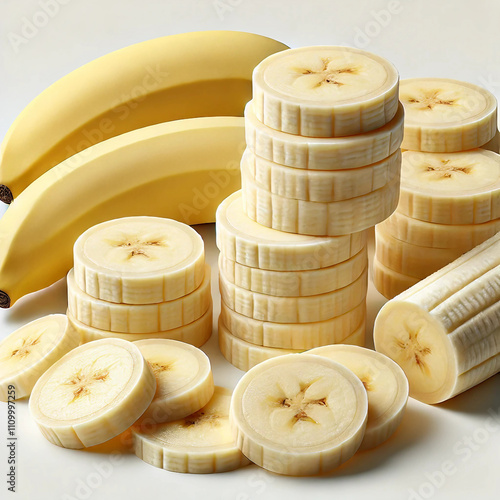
<point x="443" y="115"/>
<point x="386" y="387"/>
<point x="200" y="443"/>
<point x="92" y="394"/>
<point x="184" y="381"/>
<point x="389" y="282"/>
<point x="299" y="414"/>
<point x="325" y="91"/>
<point x="29" y="351"/>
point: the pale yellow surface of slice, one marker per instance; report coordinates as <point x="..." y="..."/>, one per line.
<point x="389" y="282"/>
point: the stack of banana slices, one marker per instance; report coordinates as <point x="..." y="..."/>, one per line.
<point x="139" y="278"/>
<point x="450" y="182"/>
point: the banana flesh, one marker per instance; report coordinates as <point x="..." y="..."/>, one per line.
<point x="389" y="282"/>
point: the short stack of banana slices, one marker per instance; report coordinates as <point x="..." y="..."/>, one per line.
<point x="450" y="182"/>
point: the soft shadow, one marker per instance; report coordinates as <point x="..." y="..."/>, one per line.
<point x="119" y="444"/>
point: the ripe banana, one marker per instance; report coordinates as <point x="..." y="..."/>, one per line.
<point x="139" y="260"/>
<point x="92" y="394"/>
<point x="111" y="180"/>
<point x="181" y="76"/>
<point x="320" y="185"/>
<point x="388" y="282"/>
<point x="242" y="240"/>
<point x="451" y="188"/>
<point x="316" y="153"/>
<point x="445" y="331"/>
<point x="184" y="381"/>
<point x="29" y="351"/>
<point x="299" y="414"/>
<point x="386" y="387"/>
<point x="200" y="443"/>
<point x="195" y="333"/>
<point x="319" y="219"/>
<point x="443" y="115"/>
<point x="325" y="91"/>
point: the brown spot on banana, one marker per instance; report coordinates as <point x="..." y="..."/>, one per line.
<point x="6" y="194"/>
<point x="83" y="381"/>
<point x="24" y="350"/>
<point x="4" y="300"/>
<point x="431" y="100"/>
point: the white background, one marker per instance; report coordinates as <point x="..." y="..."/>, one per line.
<point x="455" y="39"/>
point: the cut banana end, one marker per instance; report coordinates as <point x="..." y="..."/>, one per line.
<point x="245" y="355"/>
<point x="320" y="185"/>
<point x="29" y="351"/>
<point x="200" y="443"/>
<point x="299" y="415"/>
<point x="325" y="91"/>
<point x="139" y="260"/>
<point x="184" y="381"/>
<point x="411" y="260"/>
<point x="196" y="333"/>
<point x="430" y="234"/>
<point x="138" y="318"/>
<point x="92" y="394"/>
<point x="242" y="240"/>
<point x="295" y="283"/>
<point x="386" y="387"/>
<point x="293" y="309"/>
<point x="319" y="219"/>
<point x="445" y="331"/>
<point x="451" y="188"/>
<point x="443" y="115"/>
<point x="388" y="282"/>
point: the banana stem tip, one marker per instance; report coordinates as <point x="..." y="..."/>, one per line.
<point x="4" y="300"/>
<point x="5" y="194"/>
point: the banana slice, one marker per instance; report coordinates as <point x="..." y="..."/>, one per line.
<point x="325" y="91"/>
<point x="139" y="260"/>
<point x="299" y="414"/>
<point x="296" y="336"/>
<point x="443" y="115"/>
<point x="138" y="318"/>
<point x="320" y="185"/>
<point x="92" y="394"/>
<point x="29" y="351"/>
<point x="388" y="282"/>
<point x="411" y="260"/>
<point x="184" y="381"/>
<point x="293" y="309"/>
<point x="295" y="283"/>
<point x="316" y="153"/>
<point x="451" y="188"/>
<point x="319" y="219"/>
<point x="445" y="331"/>
<point x="195" y="333"/>
<point x="494" y="144"/>
<point x="242" y="240"/>
<point x="429" y="234"/>
<point x="386" y="387"/>
<point x="199" y="443"/>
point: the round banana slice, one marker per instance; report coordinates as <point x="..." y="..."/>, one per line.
<point x="316" y="153"/>
<point x="138" y="318"/>
<point x="195" y="333"/>
<point x="139" y="260"/>
<point x="388" y="282"/>
<point x="319" y="219"/>
<point x="451" y="188"/>
<point x="325" y="91"/>
<point x="242" y="240"/>
<point x="297" y="336"/>
<point x="245" y="355"/>
<point x="443" y="115"/>
<point x="431" y="234"/>
<point x="199" y="443"/>
<point x="411" y="260"/>
<point x="29" y="351"/>
<point x="293" y="309"/>
<point x="92" y="394"/>
<point x="295" y="283"/>
<point x="386" y="387"/>
<point x="184" y="381"/>
<point x="320" y="185"/>
<point x="299" y="415"/>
